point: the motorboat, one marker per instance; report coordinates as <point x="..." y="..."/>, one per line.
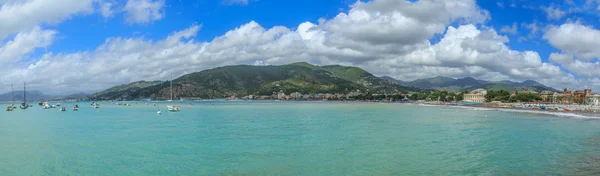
<point x="63" y="109"/>
<point x="173" y="108"/>
<point x="10" y="107"/>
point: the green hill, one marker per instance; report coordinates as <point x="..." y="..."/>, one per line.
<point x="241" y="80"/>
<point x="124" y="90"/>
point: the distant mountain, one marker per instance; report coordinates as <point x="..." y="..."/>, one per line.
<point x="468" y="83"/>
<point x="77" y="96"/>
<point x="18" y="96"/>
<point x="124" y="90"/>
<point x="428" y="83"/>
<point x="241" y="80"/>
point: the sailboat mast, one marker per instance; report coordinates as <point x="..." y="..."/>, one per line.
<point x="24" y="93"/>
<point x="12" y="93"/>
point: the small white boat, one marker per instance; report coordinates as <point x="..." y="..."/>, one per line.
<point x="63" y="109"/>
<point x="96" y="105"/>
<point x="24" y="106"/>
<point x="10" y="108"/>
<point x="173" y="108"/>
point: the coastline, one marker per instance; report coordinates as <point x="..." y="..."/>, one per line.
<point x="577" y="112"/>
<point x="572" y="114"/>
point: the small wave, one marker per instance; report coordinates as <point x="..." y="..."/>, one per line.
<point x="559" y="114"/>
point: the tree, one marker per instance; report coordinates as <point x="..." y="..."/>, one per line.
<point x="526" y="97"/>
<point x="499" y="95"/>
<point x="460" y="96"/>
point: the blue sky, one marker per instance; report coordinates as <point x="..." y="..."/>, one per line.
<point x="65" y="42"/>
<point x="215" y="16"/>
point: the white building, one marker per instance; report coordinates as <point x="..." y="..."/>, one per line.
<point x="280" y="95"/>
<point x="593" y="99"/>
<point x="477" y="95"/>
<point x="296" y="95"/>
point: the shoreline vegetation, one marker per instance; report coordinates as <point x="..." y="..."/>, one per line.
<point x="577" y="111"/>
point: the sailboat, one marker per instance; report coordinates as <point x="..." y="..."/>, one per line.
<point x="12" y="93"/>
<point x="171" y="90"/>
<point x="172" y="108"/>
<point x="24" y="105"/>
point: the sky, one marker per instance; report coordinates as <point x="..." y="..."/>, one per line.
<point x="72" y="46"/>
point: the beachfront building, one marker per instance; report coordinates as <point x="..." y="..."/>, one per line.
<point x="549" y="96"/>
<point x="281" y="95"/>
<point x="593" y="99"/>
<point x="296" y="95"/>
<point x="523" y="92"/>
<point x="477" y="95"/>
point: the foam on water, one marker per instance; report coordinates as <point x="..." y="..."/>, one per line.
<point x="294" y="138"/>
<point x="559" y="114"/>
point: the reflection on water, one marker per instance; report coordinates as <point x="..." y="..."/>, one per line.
<point x="220" y="138"/>
<point x="589" y="163"/>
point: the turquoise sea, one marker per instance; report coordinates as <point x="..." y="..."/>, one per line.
<point x="294" y="138"/>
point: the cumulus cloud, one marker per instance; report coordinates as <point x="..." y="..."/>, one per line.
<point x="385" y="37"/>
<point x="237" y="2"/>
<point x="106" y="8"/>
<point x="144" y="11"/>
<point x="514" y="29"/>
<point x="577" y="39"/>
<point x="579" y="46"/>
<point x="25" y="42"/>
<point x="16" y="16"/>
<point x="553" y="13"/>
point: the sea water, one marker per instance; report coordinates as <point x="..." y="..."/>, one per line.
<point x="294" y="138"/>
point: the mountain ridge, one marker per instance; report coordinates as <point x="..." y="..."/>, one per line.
<point x="469" y="83"/>
<point x="242" y="80"/>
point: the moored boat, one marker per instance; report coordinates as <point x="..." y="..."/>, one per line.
<point x="10" y="108"/>
<point x="63" y="109"/>
<point x="24" y="105"/>
<point x="173" y="108"/>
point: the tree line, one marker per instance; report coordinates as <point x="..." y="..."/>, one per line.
<point x="443" y="96"/>
<point x="505" y="96"/>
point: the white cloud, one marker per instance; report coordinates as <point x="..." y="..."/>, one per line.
<point x="236" y="2"/>
<point x="106" y="8"/>
<point x="583" y="68"/>
<point x="553" y="13"/>
<point x="144" y="11"/>
<point x="25" y="42"/>
<point x="533" y="29"/>
<point x="386" y="37"/>
<point x="579" y="40"/>
<point x="16" y="16"/>
<point x="514" y="29"/>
